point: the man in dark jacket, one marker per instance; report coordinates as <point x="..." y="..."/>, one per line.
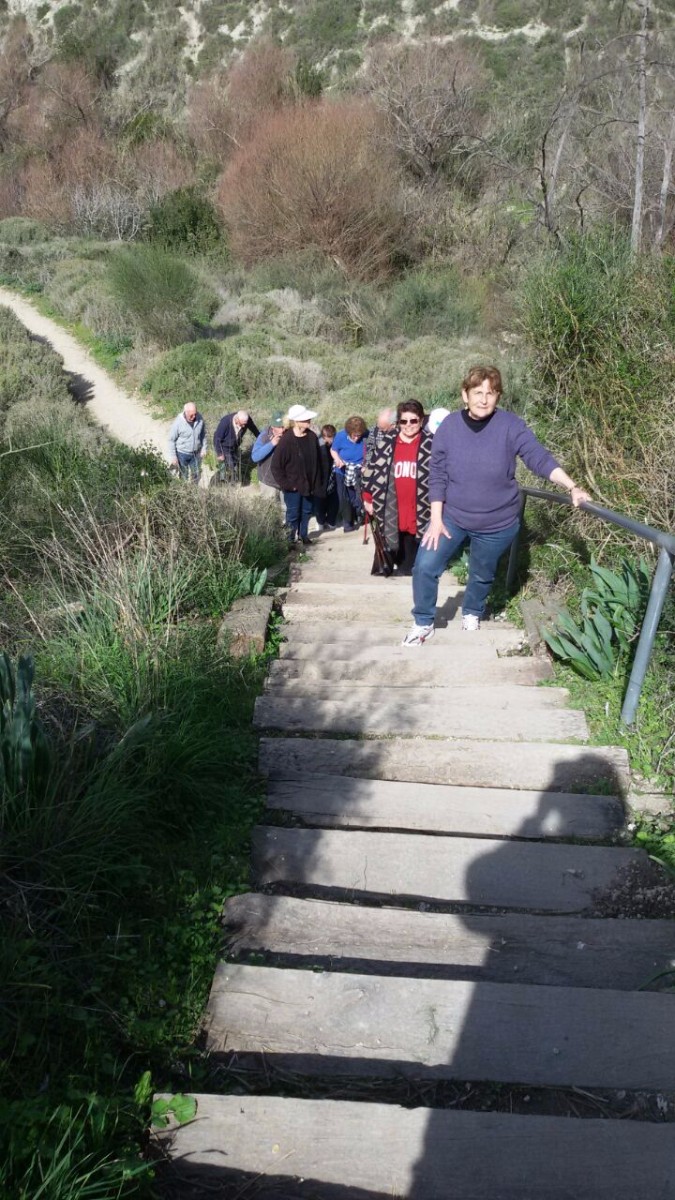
<point x="227" y="440"/>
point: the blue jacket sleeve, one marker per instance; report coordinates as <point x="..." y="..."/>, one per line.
<point x="261" y="448"/>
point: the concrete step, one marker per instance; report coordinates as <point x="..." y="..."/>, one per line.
<point x="280" y="1148"/>
<point x="467" y="763"/>
<point x="501" y="696"/>
<point x="337" y="800"/>
<point x="481" y="872"/>
<point x="396" y="668"/>
<point x="367" y="1025"/>
<point x="347" y="634"/>
<point x="623" y="955"/>
<point x="455" y="713"/>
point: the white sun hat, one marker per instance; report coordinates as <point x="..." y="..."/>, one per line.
<point x="298" y="412"/>
<point x="436" y="418"/>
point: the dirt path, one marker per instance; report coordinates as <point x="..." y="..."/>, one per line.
<point x="125" y="417"/>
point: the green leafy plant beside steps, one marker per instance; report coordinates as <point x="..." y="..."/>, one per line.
<point x="611" y="612"/>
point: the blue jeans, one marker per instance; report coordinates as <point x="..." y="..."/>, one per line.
<point x="485" y="552"/>
<point x="189" y="466"/>
<point x="298" y="511"/>
<point x="351" y="506"/>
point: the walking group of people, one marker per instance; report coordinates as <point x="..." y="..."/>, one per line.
<point x="429" y="484"/>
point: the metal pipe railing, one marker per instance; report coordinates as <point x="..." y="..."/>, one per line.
<point x="657" y="595"/>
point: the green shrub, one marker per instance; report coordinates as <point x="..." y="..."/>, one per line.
<point x="601" y="332"/>
<point x="161" y="293"/>
<point x="201" y="372"/>
<point x="185" y="220"/>
<point x="17" y="231"/>
<point x="430" y="301"/>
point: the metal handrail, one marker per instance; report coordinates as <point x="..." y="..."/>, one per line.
<point x="657" y="595"/>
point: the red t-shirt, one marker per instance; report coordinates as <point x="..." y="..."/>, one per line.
<point x="405" y="482"/>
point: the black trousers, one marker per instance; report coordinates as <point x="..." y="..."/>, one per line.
<point x="405" y="555"/>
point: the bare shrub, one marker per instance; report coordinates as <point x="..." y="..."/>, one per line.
<point x="10" y="194"/>
<point x="15" y="74"/>
<point x="223" y="109"/>
<point x="316" y="178"/>
<point x="209" y="120"/>
<point x="259" y="83"/>
<point x="430" y="97"/>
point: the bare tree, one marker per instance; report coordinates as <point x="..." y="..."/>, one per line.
<point x="430" y="97"/>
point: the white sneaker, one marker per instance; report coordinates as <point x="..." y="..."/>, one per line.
<point x="418" y="635"/>
<point x="471" y="623"/>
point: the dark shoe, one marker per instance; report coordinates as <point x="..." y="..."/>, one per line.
<point x="306" y="541"/>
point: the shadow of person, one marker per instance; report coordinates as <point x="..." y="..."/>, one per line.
<point x="522" y="1032"/>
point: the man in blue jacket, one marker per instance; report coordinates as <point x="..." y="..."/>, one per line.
<point x="262" y="452"/>
<point x="227" y="440"/>
<point x="187" y="443"/>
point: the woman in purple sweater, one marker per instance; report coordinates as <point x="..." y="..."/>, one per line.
<point x="474" y="497"/>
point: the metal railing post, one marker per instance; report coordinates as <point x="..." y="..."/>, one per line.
<point x="657" y="598"/>
<point x="515" y="546"/>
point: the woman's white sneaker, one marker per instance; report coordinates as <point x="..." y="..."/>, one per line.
<point x="418" y="635"/>
<point x="471" y="623"/>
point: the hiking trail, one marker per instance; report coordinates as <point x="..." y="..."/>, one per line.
<point x="125" y="417"/>
<point x="420" y="999"/>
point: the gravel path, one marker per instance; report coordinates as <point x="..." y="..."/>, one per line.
<point x="125" y="417"/>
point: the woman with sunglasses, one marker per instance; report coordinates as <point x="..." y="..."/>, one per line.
<point x="395" y="485"/>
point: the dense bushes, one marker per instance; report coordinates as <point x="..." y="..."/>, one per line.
<point x="601" y="327"/>
<point x="315" y="178"/>
<point x="127" y="778"/>
<point x="161" y="293"/>
<point x="186" y="221"/>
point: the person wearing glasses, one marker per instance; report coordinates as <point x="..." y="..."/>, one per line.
<point x="474" y="497"/>
<point x="395" y="485"/>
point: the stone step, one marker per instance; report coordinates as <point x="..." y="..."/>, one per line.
<point x="345" y="634"/>
<point x="398" y="669"/>
<point x="466" y="763"/>
<point x="281" y="1148"/>
<point x="329" y="1023"/>
<point x="498" y="947"/>
<point x="337" y="800"/>
<point x="499" y="697"/>
<point x="454" y="715"/>
<point x="481" y="872"/>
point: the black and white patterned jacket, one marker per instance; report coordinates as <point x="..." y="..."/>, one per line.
<point x="378" y="479"/>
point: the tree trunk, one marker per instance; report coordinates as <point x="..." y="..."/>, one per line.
<point x="636" y="227"/>
<point x="665" y="183"/>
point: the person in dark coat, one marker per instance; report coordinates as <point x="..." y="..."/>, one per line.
<point x="227" y="440"/>
<point x="299" y="468"/>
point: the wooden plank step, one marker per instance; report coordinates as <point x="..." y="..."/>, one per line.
<point x="480" y="872"/>
<point x="348" y="633"/>
<point x="437" y="808"/>
<point x="389" y="713"/>
<point x="498" y="947"/>
<point x="467" y="763"/>
<point x="398" y="670"/>
<point x="280" y="1148"/>
<point x="320" y="1023"/>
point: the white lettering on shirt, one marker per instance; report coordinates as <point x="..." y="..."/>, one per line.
<point x="405" y="470"/>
